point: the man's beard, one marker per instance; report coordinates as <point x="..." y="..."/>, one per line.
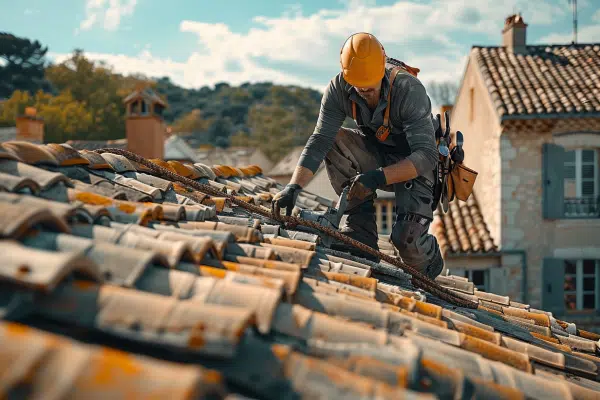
<point x="368" y="95"/>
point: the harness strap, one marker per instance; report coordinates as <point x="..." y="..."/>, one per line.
<point x="384" y="130"/>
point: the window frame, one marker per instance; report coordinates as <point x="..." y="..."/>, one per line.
<point x="579" y="289"/>
<point x="578" y="164"/>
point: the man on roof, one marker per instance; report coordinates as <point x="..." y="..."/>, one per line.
<point x="401" y="159"/>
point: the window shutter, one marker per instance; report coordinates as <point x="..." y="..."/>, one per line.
<point x="553" y="281"/>
<point x="553" y="181"/>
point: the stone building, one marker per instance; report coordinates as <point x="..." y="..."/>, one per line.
<point x="530" y="115"/>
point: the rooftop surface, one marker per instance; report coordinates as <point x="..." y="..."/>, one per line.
<point x="543" y="80"/>
<point x="117" y="282"/>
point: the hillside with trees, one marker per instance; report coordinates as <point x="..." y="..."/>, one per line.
<point x="82" y="100"/>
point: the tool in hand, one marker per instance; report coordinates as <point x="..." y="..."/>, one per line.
<point x="329" y="219"/>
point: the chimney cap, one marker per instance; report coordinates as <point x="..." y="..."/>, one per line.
<point x="146" y="94"/>
<point x="30" y="113"/>
<point x="514" y="20"/>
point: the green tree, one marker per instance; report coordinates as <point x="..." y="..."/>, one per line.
<point x="273" y="129"/>
<point x="22" y="64"/>
<point x="191" y="122"/>
<point x="96" y="86"/>
<point x="64" y="117"/>
<point x="220" y="131"/>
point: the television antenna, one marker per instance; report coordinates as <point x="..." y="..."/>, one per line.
<point x="573" y="3"/>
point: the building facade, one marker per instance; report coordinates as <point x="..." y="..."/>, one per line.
<point x="531" y="121"/>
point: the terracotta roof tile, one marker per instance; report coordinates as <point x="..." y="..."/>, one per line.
<point x="545" y="79"/>
<point x="462" y="229"/>
<point x="271" y="309"/>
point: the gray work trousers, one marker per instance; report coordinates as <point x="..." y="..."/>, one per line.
<point x="353" y="153"/>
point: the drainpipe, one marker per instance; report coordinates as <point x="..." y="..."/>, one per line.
<point x="519" y="252"/>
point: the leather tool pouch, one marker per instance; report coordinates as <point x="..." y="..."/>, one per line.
<point x="460" y="182"/>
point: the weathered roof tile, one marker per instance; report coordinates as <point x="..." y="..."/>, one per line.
<point x="543" y="80"/>
<point x="208" y="272"/>
<point x="50" y="366"/>
<point x="42" y="177"/>
<point x="40" y="269"/>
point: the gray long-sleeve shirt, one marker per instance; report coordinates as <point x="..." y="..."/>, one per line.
<point x="410" y="120"/>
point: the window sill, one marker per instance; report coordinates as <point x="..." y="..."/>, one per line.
<point x="578" y="221"/>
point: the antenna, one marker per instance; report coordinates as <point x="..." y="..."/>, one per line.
<point x="573" y="3"/>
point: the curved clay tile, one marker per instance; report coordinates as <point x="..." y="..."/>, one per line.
<point x="45" y="179"/>
<point x="7" y="155"/>
<point x="30" y="153"/>
<point x="42" y="270"/>
<point x="164" y="164"/>
<point x="66" y="156"/>
<point x="206" y="171"/>
<point x="96" y="161"/>
<point x="181" y="169"/>
<point x="12" y="183"/>
<point x="17" y="220"/>
<point x="118" y="163"/>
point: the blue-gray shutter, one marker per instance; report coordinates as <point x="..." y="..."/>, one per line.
<point x="553" y="285"/>
<point x="553" y="166"/>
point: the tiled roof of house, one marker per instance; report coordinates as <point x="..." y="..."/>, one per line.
<point x="462" y="229"/>
<point x="97" y="144"/>
<point x="545" y="79"/>
<point x="117" y="282"/>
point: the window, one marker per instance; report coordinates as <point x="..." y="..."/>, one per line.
<point x="384" y="219"/>
<point x="581" y="183"/>
<point x="386" y="215"/>
<point x="580" y="284"/>
<point x="479" y="277"/>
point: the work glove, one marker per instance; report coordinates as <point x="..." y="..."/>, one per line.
<point x="286" y="199"/>
<point x="364" y="185"/>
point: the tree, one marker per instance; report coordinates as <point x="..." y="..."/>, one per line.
<point x="220" y="132"/>
<point x="442" y="93"/>
<point x="191" y="122"/>
<point x="22" y="64"/>
<point x="274" y="129"/>
<point x="64" y="117"/>
<point x="99" y="88"/>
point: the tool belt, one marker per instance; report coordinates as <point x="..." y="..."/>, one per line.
<point x="454" y="179"/>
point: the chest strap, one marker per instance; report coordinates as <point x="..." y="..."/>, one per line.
<point x="384" y="130"/>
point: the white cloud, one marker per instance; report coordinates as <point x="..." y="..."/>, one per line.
<point x="300" y="49"/>
<point x="586" y="34"/>
<point x="596" y="16"/>
<point x="107" y="12"/>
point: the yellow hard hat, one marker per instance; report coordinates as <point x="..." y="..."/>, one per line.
<point x="363" y="60"/>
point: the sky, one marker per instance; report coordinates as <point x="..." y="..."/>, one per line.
<point x="199" y="43"/>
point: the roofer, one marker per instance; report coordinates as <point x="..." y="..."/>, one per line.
<point x="401" y="160"/>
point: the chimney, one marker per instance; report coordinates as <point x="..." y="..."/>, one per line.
<point x="145" y="129"/>
<point x="514" y="34"/>
<point x="30" y="127"/>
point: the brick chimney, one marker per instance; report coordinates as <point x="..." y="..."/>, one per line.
<point x="514" y="34"/>
<point x="30" y="127"/>
<point x="145" y="127"/>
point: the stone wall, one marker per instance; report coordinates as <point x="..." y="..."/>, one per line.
<point x="475" y="116"/>
<point x="523" y="225"/>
